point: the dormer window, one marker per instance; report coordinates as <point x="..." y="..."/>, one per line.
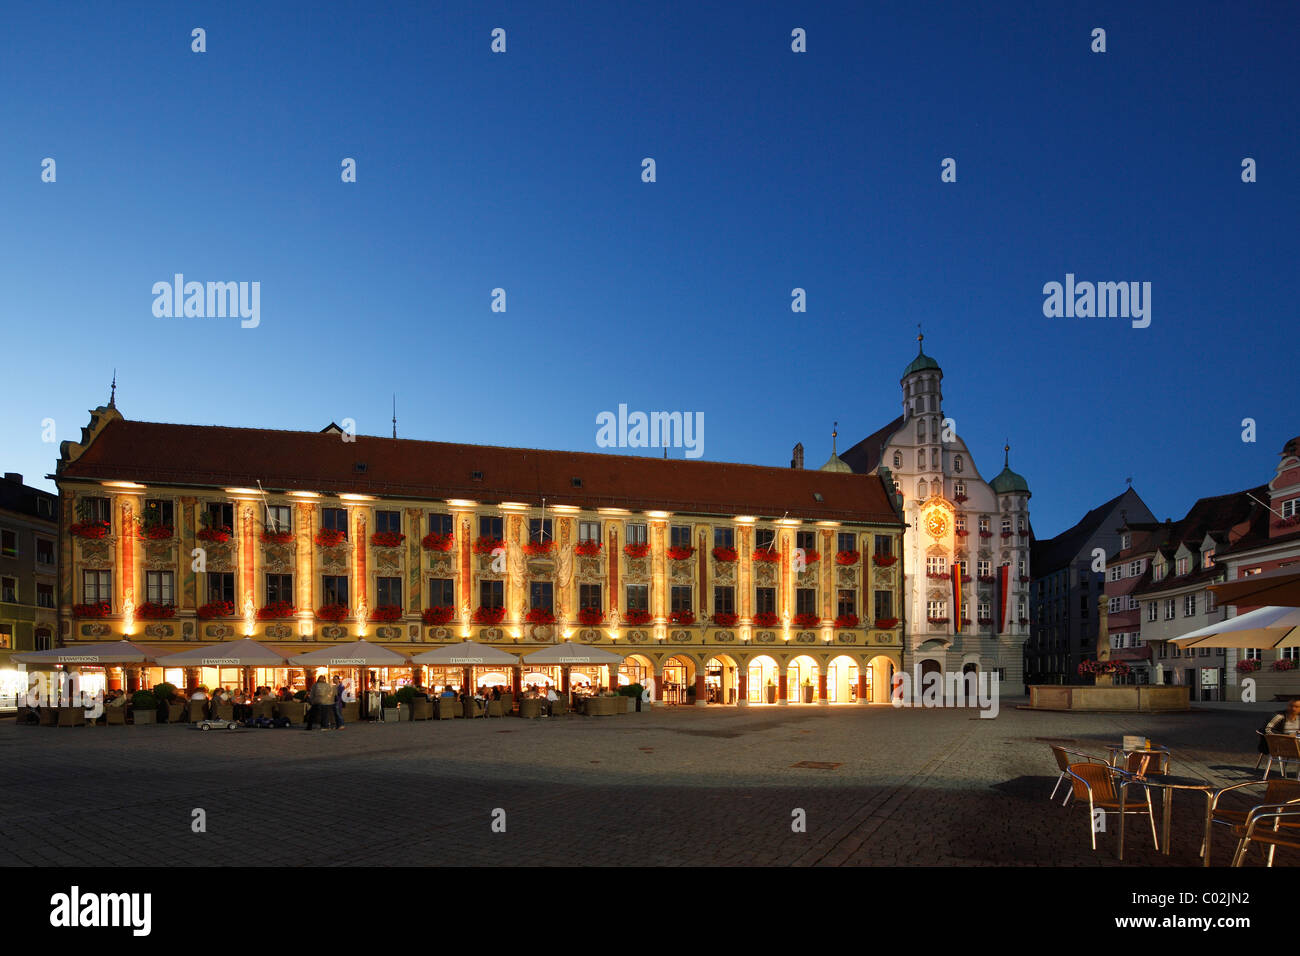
<point x="1207" y="558"/>
<point x="1158" y="571"/>
<point x="1125" y="541"/>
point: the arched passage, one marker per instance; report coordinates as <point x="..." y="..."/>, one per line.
<point x="802" y="676"/>
<point x="721" y="679"/>
<point x="763" y="674"/>
<point x="842" y="680"/>
<point x="878" y="677"/>
<point x="679" y="680"/>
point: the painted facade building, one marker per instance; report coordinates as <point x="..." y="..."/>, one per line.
<point x="29" y="534"/>
<point x="966" y="557"/>
<point x="716" y="582"/>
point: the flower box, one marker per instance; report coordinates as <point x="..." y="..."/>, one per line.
<point x="965" y="579"/>
<point x="274" y="610"/>
<point x="540" y="615"/>
<point x="885" y="623"/>
<point x="937" y="620"/>
<point x="685" y="618"/>
<point x="986" y="534"/>
<point x="986" y="579"/>
<point x="846" y="621"/>
<point x="329" y="537"/>
<point x="589" y="549"/>
<point x="486" y="544"/>
<point x="884" y="560"/>
<point x="636" y="616"/>
<point x="1024" y="579"/>
<point x="387" y="613"/>
<point x="763" y="555"/>
<point x="332" y="612"/>
<point x="1284" y="664"/>
<point x="149" y="611"/>
<point x="489" y="615"/>
<point x="811" y="555"/>
<point x="846" y="558"/>
<point x="387" y="539"/>
<point x="806" y="620"/>
<point x="960" y="498"/>
<point x="938" y="575"/>
<point x="102" y="609"/>
<point x="985" y="621"/>
<point x="438" y="541"/>
<point x="216" y="609"/>
<point x="438" y="615"/>
<point x="591" y="617"/>
<point x="156" y="532"/>
<point x="1248" y="666"/>
<point x="1118" y="668"/>
<point x="766" y="619"/>
<point x="725" y="619"/>
<point x="539" y="548"/>
<point x="962" y="532"/>
<point x="965" y="622"/>
<point x="276" y="537"/>
<point x="724" y="554"/>
<point x="89" y="529"/>
<point x="639" y="550"/>
<point x="1006" y="534"/>
<point x="681" y="552"/>
<point x="1022" y="621"/>
<point x="214" y="535"/>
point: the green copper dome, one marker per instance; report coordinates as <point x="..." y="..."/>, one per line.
<point x="1007" y="480"/>
<point x="836" y="463"/>
<point x="920" y="364"/>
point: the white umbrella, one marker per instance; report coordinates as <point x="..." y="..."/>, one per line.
<point x="466" y="654"/>
<point x="1265" y="627"/>
<point x="109" y="652"/>
<point x="570" y="653"/>
<point x="243" y="653"/>
<point x="352" y="654"/>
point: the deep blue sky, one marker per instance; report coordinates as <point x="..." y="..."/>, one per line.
<point x="775" y="170"/>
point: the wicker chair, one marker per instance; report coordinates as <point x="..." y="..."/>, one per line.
<point x="1282" y="747"/>
<point x="475" y="708"/>
<point x="49" y="716"/>
<point x="223" y="711"/>
<point x="507" y="703"/>
<point x="195" y="710"/>
<point x="72" y="717"/>
<point x="115" y="715"/>
<point x="495" y="709"/>
<point x="447" y="708"/>
<point x="1063" y="762"/>
<point x="1271" y="825"/>
<point x="559" y="707"/>
<point x="263" y="708"/>
<point x="1276" y="793"/>
<point x="421" y="708"/>
<point x="1095" y="782"/>
<point x="530" y="707"/>
<point x="175" y="711"/>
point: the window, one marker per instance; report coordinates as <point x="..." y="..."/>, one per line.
<point x="884" y="544"/>
<point x="724" y="600"/>
<point x="638" y="597"/>
<point x="960" y="522"/>
<point x="679" y="536"/>
<point x="220" y="515"/>
<point x="1135" y="568"/>
<point x="388" y="522"/>
<point x="44" y="551"/>
<point x="279" y="587"/>
<point x="846" y="602"/>
<point x="920" y="429"/>
<point x="1114" y="605"/>
<point x="221" y="586"/>
<point x="93" y="509"/>
<point x="278" y="518"/>
<point x="764" y="539"/>
<point x="922" y="489"/>
<point x="334" y="589"/>
<point x="442" y="592"/>
<point x="1006" y="525"/>
<point x="491" y="594"/>
<point x="8" y="543"/>
<point x="984" y="610"/>
<point x="1020" y="567"/>
<point x="1181" y="566"/>
<point x="957" y="464"/>
<point x="805" y="601"/>
<point x="43" y="640"/>
<point x="94" y="587"/>
<point x="439" y="524"/>
<point x="1117" y="572"/>
<point x="541" y="596"/>
<point x="1158" y="571"/>
<point x="1021" y="610"/>
<point x="884" y="603"/>
<point x="1291" y="654"/>
<point x="984" y="523"/>
<point x="1132" y="604"/>
<point x="765" y="600"/>
<point x="491" y="527"/>
<point x="1291" y="508"/>
<point x="588" y="531"/>
<point x="334" y="519"/>
<point x="1250" y="654"/>
<point x="681" y="598"/>
<point x="388" y="592"/>
<point x="920" y="458"/>
<point x="898" y="459"/>
<point x="636" y="532"/>
<point x="724" y="538"/>
<point x="1125" y="541"/>
<point x="45" y="595"/>
<point x="1170" y="609"/>
<point x="1153" y="611"/>
<point x="6" y="637"/>
<point x="936" y="565"/>
<point x="936" y="609"/>
<point x="1189" y="605"/>
<point x="846" y="542"/>
<point x="160" y="587"/>
<point x="1207" y="558"/>
<point x="1210" y="602"/>
<point x="45" y="507"/>
<point x="539" y="530"/>
<point x="9" y="590"/>
<point x="959" y="488"/>
<point x="159" y="511"/>
<point x="806" y="540"/>
<point x="589" y="596"/>
<point x="983" y="567"/>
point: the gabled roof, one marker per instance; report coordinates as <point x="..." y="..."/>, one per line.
<point x="1051" y="554"/>
<point x="864" y="457"/>
<point x="218" y="456"/>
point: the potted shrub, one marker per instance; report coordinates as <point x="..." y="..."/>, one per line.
<point x="404" y="697"/>
<point x="633" y="692"/>
<point x="144" y="707"/>
<point x="807" y="691"/>
<point x="769" y="692"/>
<point x="392" y="710"/>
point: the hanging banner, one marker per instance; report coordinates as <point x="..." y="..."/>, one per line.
<point x="958" y="569"/>
<point x="1004" y="594"/>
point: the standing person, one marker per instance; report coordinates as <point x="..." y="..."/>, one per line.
<point x="338" y="702"/>
<point x="322" y="694"/>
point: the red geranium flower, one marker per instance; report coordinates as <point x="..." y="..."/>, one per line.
<point x="438" y="541"/>
<point x="681" y="552"/>
<point x="636" y="550"/>
<point x="847" y="557"/>
<point x="636" y="616"/>
<point x="489" y="615"/>
<point x="89" y="529"/>
<point x="846" y="620"/>
<point x="151" y="611"/>
<point x="806" y="619"/>
<point x="387" y="539"/>
<point x="764" y="555"/>
<point x="486" y="544"/>
<point x="539" y="547"/>
<point x="540" y="615"/>
<point x="885" y="623"/>
<point x="156" y="532"/>
<point x="591" y="617"/>
<point x="685" y="618"/>
<point x="438" y="615"/>
<point x="329" y="537"/>
<point x="276" y="609"/>
<point x="276" y="537"/>
<point x="332" y="612"/>
<point x="810" y="556"/>
<point x="883" y="560"/>
<point x="215" y="535"/>
<point x="725" y="619"/>
<point x="217" y="609"/>
<point x="766" y="619"/>
<point x="387" y="613"/>
<point x="588" y="548"/>
<point x="101" y="609"/>
<point x="724" y="554"/>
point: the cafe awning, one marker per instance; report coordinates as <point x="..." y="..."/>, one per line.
<point x="466" y="654"/>
<point x="352" y="654"/>
<point x="109" y="652"/>
<point x="1276" y="588"/>
<point x="1265" y="628"/>
<point x="569" y="653"/>
<point x="242" y="653"/>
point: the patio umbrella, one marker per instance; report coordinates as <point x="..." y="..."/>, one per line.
<point x="109" y="652"/>
<point x="1265" y="627"/>
<point x="243" y="653"/>
<point x="466" y="654"/>
<point x="352" y="654"/>
<point x="1278" y="588"/>
<point x="568" y="653"/>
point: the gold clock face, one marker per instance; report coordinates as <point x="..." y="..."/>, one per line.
<point x="937" y="524"/>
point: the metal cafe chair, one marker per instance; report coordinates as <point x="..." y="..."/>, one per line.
<point x="1282" y="747"/>
<point x="1271" y="825"/>
<point x="1277" y="792"/>
<point x="1063" y="763"/>
<point x="1095" y="782"/>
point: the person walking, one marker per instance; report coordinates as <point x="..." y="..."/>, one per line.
<point x="322" y="704"/>
<point x="338" y="702"/>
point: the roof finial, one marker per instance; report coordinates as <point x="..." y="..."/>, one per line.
<point x="112" y="394"/>
<point x="394" y="414"/>
<point x="919" y="339"/>
<point x="1006" y="454"/>
<point x="834" y="433"/>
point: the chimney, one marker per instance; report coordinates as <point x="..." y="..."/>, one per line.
<point x="13" y="476"/>
<point x="797" y="460"/>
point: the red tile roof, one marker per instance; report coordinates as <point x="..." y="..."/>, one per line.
<point x="216" y="456"/>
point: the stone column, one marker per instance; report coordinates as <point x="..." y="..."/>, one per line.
<point x="781" y="688"/>
<point x="701" y="691"/>
<point x="862" y="684"/>
<point x="742" y="690"/>
<point x="821" y="686"/>
<point x="659" y="687"/>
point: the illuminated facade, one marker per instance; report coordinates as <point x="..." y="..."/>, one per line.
<point x="716" y="582"/>
<point x="966" y="559"/>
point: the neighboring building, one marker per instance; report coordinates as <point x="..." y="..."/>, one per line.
<point x="1268" y="541"/>
<point x="1172" y="591"/>
<point x="29" y="533"/>
<point x="1065" y="591"/>
<point x="955" y="517"/>
<point x="1125" y="570"/>
<point x="414" y="544"/>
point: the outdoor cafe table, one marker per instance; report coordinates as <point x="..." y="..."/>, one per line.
<point x="1168" y="784"/>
